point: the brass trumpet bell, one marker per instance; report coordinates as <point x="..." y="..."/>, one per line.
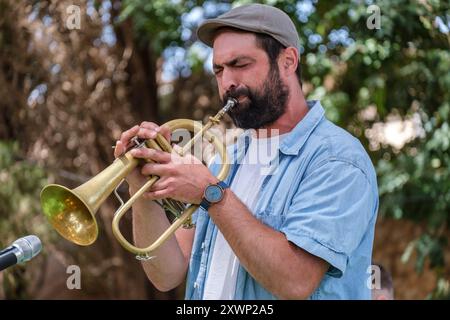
<point x="72" y="212"/>
<point x="69" y="215"/>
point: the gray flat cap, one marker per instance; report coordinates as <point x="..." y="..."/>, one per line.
<point x="257" y="18"/>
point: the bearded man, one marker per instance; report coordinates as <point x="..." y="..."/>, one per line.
<point x="303" y="229"/>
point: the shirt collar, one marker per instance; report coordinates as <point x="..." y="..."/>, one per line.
<point x="295" y="139"/>
<point x="292" y="144"/>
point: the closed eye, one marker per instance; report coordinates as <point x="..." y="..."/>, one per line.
<point x="238" y="62"/>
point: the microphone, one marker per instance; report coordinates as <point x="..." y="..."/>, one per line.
<point x="21" y="250"/>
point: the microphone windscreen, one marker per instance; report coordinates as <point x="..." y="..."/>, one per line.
<point x="30" y="245"/>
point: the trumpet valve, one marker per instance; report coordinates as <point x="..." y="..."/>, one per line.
<point x="188" y="224"/>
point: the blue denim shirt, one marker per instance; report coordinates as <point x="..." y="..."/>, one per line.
<point x="323" y="197"/>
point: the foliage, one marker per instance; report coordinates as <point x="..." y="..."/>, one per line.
<point x="156" y="21"/>
<point x="65" y="100"/>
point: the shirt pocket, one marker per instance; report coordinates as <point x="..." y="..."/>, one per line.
<point x="271" y="218"/>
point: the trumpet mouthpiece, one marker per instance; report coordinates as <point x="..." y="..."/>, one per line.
<point x="231" y="102"/>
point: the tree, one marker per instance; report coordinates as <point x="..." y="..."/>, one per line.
<point x="65" y="100"/>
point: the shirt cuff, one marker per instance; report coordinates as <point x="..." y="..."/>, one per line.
<point x="337" y="260"/>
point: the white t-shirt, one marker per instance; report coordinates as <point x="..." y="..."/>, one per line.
<point x="220" y="281"/>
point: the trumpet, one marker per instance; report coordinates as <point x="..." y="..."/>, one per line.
<point x="71" y="212"/>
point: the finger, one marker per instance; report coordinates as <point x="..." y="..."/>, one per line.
<point x="185" y="159"/>
<point x="152" y="154"/>
<point x="127" y="135"/>
<point x="161" y="184"/>
<point x="149" y="125"/>
<point x="155" y="169"/>
<point x="146" y="133"/>
<point x="119" y="149"/>
<point x="155" y="195"/>
<point x="165" y="131"/>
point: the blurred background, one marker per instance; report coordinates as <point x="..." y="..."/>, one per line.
<point x="75" y="74"/>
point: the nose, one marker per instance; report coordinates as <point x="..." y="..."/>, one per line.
<point x="229" y="80"/>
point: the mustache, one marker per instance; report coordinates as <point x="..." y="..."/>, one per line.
<point x="236" y="93"/>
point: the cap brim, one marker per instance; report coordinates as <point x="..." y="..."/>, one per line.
<point x="206" y="32"/>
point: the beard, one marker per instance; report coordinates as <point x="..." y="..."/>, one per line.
<point x="262" y="107"/>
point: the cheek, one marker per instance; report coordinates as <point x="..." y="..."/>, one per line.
<point x="257" y="78"/>
<point x="220" y="87"/>
<point x="221" y="90"/>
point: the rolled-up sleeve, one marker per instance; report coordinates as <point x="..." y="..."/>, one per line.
<point x="330" y="213"/>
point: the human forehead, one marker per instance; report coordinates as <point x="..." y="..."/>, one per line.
<point x="229" y="45"/>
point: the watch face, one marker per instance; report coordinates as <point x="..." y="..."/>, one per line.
<point x="213" y="193"/>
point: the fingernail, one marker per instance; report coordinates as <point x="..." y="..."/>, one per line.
<point x="157" y="129"/>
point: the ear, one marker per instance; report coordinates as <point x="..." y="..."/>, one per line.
<point x="290" y="60"/>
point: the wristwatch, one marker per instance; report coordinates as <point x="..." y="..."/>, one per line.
<point x="213" y="193"/>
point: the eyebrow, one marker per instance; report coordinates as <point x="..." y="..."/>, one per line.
<point x="233" y="62"/>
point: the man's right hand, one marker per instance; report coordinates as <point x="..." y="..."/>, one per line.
<point x="147" y="130"/>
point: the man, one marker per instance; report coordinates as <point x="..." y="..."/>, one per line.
<point x="303" y="231"/>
